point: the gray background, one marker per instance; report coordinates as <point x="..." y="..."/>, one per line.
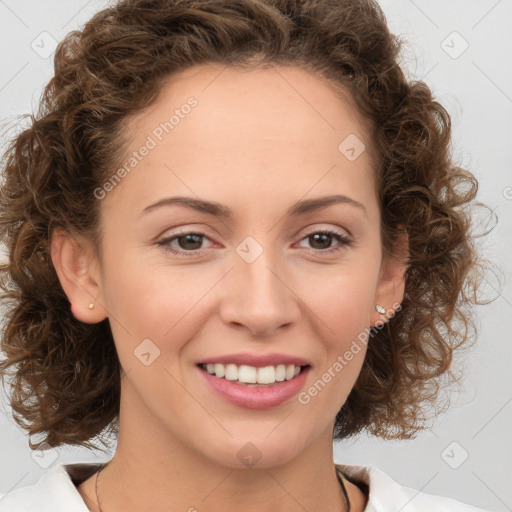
<point x="467" y="453"/>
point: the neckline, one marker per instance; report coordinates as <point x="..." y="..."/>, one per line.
<point x="363" y="486"/>
<point x="82" y="471"/>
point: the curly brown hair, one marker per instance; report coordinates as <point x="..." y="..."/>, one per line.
<point x="65" y="374"/>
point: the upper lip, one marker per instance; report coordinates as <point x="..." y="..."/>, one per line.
<point x="256" y="360"/>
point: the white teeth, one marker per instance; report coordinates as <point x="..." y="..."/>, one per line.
<point x="280" y="372"/>
<point x="219" y="370"/>
<point x="231" y="372"/>
<point x="290" y="371"/>
<point x="247" y="374"/>
<point x="267" y="375"/>
<point x="251" y="375"/>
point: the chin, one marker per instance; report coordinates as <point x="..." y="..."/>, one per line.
<point x="258" y="452"/>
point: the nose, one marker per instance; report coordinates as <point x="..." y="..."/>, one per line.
<point x="259" y="296"/>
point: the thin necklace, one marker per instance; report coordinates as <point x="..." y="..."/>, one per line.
<point x="340" y="480"/>
<point x="344" y="490"/>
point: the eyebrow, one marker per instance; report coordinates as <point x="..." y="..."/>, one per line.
<point x="220" y="210"/>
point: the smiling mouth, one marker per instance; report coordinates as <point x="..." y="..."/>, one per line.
<point x="252" y="376"/>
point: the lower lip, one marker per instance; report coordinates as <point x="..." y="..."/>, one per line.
<point x="256" y="397"/>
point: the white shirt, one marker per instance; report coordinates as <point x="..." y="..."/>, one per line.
<point x="56" y="492"/>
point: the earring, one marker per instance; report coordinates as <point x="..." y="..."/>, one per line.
<point x="380" y="309"/>
<point x="91" y="305"/>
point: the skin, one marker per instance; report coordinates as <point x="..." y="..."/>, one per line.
<point x="257" y="142"/>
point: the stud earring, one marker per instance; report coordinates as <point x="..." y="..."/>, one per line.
<point x="91" y="305"/>
<point x="380" y="309"/>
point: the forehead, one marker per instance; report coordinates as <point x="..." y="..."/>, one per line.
<point x="267" y="98"/>
<point x="248" y="129"/>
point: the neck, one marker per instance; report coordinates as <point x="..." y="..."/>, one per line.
<point x="152" y="470"/>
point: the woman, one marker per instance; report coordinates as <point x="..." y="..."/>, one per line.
<point x="235" y="233"/>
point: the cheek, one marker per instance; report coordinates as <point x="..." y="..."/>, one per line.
<point x="342" y="332"/>
<point x="138" y="294"/>
<point x="157" y="303"/>
<point x="342" y="303"/>
<point x="343" y="299"/>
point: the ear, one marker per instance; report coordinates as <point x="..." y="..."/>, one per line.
<point x="78" y="271"/>
<point x="391" y="283"/>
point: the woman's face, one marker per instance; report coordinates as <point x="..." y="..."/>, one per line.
<point x="255" y="287"/>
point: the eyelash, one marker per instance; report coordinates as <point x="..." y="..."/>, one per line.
<point x="343" y="240"/>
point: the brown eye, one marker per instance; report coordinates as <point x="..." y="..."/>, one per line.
<point x="190" y="242"/>
<point x="183" y="242"/>
<point x="321" y="241"/>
